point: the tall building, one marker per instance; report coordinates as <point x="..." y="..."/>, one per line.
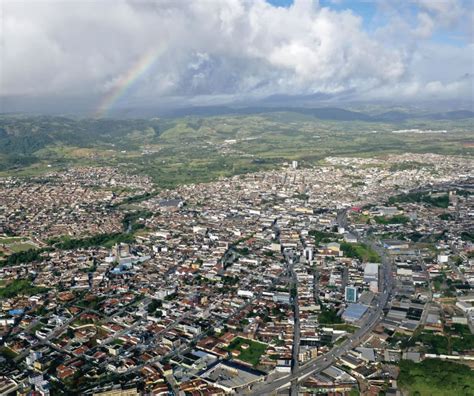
<point x="371" y="272"/>
<point x="351" y="294"/>
<point x="308" y="254"/>
<point x="294" y="164"/>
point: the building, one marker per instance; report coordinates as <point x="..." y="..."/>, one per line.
<point x="350" y="238"/>
<point x="443" y="258"/>
<point x="334" y="247"/>
<point x="245" y="293"/>
<point x="374" y="286"/>
<point x="231" y="376"/>
<point x="371" y="273"/>
<point x="308" y="254"/>
<point x="354" y="312"/>
<point x="392" y="244"/>
<point x="351" y="294"/>
<point x="283" y="298"/>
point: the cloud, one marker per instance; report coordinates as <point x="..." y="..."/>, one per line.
<point x="446" y="11"/>
<point x="425" y="27"/>
<point x="232" y="48"/>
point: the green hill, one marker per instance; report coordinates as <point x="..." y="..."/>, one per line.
<point x="195" y="149"/>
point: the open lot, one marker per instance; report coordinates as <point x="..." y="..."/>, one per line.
<point x="251" y="354"/>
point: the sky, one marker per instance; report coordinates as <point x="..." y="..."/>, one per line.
<point x="105" y="55"/>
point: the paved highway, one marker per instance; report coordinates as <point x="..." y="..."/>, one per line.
<point x="296" y="327"/>
<point x="369" y="322"/>
<point x="322" y="362"/>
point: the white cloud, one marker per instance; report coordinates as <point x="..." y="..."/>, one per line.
<point x="212" y="48"/>
<point x="447" y="11"/>
<point x="425" y="27"/>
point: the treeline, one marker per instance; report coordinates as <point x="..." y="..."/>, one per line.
<point x="441" y="201"/>
<point x="27" y="256"/>
<point x="137" y="198"/>
<point x="154" y="306"/>
<point x="66" y="243"/>
<point x="19" y="287"/>
<point x="467" y="236"/>
<point x="105" y="240"/>
<point x="329" y="316"/>
<point x="457" y="339"/>
<point x="397" y="219"/>
<point x="446" y="216"/>
<point x="436" y="377"/>
<point x="321" y="236"/>
<point x="130" y="220"/>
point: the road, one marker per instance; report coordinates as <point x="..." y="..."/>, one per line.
<point x="184" y="348"/>
<point x="46" y="340"/>
<point x="322" y="362"/>
<point x="316" y="285"/>
<point x="456" y="269"/>
<point x="345" y="278"/>
<point x="341" y="218"/>
<point x="426" y="310"/>
<point x="296" y="326"/>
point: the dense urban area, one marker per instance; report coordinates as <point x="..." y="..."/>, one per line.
<point x="236" y="198"/>
<point x="351" y="277"/>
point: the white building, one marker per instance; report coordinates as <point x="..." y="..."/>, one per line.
<point x="371" y="272"/>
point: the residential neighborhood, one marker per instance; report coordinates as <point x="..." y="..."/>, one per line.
<point x="301" y="280"/>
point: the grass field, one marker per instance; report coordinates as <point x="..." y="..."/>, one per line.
<point x="16" y="244"/>
<point x="250" y="355"/>
<point x="361" y="251"/>
<point x="21" y="247"/>
<point x="9" y="240"/>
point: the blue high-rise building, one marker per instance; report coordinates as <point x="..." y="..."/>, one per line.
<point x="351" y="294"/>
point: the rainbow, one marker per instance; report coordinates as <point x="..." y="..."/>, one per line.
<point x="126" y="82"/>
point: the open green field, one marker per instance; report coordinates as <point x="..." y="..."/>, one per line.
<point x="250" y="355"/>
<point x="9" y="240"/>
<point x="360" y="251"/>
<point x="21" y="247"/>
<point x="16" y="244"/>
<point x="434" y="377"/>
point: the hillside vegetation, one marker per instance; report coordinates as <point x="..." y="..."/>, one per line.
<point x="199" y="149"/>
<point x="436" y="378"/>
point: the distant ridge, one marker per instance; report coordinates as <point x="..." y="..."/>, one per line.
<point x="452" y="115"/>
<point x="399" y="116"/>
<point x="323" y="113"/>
